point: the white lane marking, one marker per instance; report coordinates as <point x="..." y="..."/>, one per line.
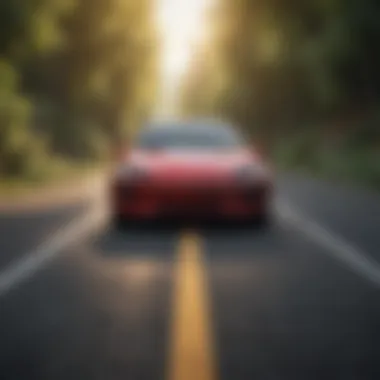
<point x="24" y="268"/>
<point x="27" y="266"/>
<point x="339" y="248"/>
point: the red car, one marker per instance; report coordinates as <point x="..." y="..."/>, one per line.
<point x="198" y="170"/>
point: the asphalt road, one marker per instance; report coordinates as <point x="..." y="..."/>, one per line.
<point x="300" y="300"/>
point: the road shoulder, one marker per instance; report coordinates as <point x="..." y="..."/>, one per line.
<point x="44" y="198"/>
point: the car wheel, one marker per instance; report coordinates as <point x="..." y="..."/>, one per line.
<point x="119" y="222"/>
<point x="263" y="220"/>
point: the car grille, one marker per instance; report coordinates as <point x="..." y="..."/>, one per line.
<point x="201" y="196"/>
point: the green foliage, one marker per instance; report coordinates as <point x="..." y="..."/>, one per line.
<point x="79" y="138"/>
<point x="29" y="27"/>
<point x="21" y="153"/>
<point x="353" y="164"/>
<point x="292" y="59"/>
<point x="75" y="77"/>
<point x="297" y="72"/>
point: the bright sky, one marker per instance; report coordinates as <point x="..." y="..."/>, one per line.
<point x="182" y="26"/>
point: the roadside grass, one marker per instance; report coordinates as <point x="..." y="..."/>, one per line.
<point x="347" y="163"/>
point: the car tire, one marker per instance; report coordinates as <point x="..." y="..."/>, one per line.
<point x="263" y="221"/>
<point x="119" y="222"/>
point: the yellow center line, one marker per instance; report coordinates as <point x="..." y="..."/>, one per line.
<point x="191" y="355"/>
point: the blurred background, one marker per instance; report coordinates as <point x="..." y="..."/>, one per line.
<point x="79" y="76"/>
<point x="82" y="300"/>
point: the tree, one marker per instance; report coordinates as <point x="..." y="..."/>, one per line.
<point x="86" y="69"/>
<point x="290" y="63"/>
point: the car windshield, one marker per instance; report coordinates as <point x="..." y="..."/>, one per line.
<point x="188" y="138"/>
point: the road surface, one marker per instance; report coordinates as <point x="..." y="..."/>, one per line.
<point x="300" y="300"/>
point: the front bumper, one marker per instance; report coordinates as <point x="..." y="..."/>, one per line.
<point x="228" y="201"/>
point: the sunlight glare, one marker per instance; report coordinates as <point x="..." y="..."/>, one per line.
<point x="182" y="28"/>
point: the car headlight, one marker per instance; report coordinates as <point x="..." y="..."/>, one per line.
<point x="251" y="173"/>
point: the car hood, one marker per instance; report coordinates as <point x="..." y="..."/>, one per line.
<point x="190" y="165"/>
